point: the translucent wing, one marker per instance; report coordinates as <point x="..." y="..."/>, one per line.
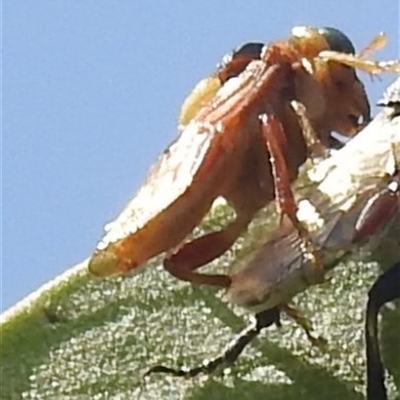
<point x="184" y="181"/>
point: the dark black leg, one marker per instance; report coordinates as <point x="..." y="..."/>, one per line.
<point x="231" y="352"/>
<point x="385" y="289"/>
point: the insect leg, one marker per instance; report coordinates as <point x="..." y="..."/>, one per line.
<point x="276" y="143"/>
<point x="304" y="322"/>
<point x="232" y="351"/>
<point x="379" y="211"/>
<point x="314" y="144"/>
<point x="385" y="289"/>
<point x="183" y="263"/>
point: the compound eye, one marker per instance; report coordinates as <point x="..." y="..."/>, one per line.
<point x="252" y="49"/>
<point x="337" y="40"/>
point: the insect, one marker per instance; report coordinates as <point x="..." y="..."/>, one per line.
<point x="221" y="150"/>
<point x="387" y="286"/>
<point x="279" y="268"/>
<point x="380" y="209"/>
<point x="385" y="289"/>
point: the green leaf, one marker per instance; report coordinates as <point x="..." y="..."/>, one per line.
<point x="88" y="338"/>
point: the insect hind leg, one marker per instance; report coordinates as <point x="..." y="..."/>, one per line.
<point x="185" y="260"/>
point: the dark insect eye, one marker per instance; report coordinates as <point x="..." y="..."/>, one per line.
<point x="249" y="49"/>
<point x="337" y="40"/>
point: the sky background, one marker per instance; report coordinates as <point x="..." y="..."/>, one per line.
<point x="91" y="94"/>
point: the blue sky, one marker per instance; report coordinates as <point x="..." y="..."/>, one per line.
<point x="91" y="92"/>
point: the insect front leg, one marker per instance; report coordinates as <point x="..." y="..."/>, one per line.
<point x="276" y="143"/>
<point x="275" y="139"/>
<point x="232" y="351"/>
<point x="185" y="260"/>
